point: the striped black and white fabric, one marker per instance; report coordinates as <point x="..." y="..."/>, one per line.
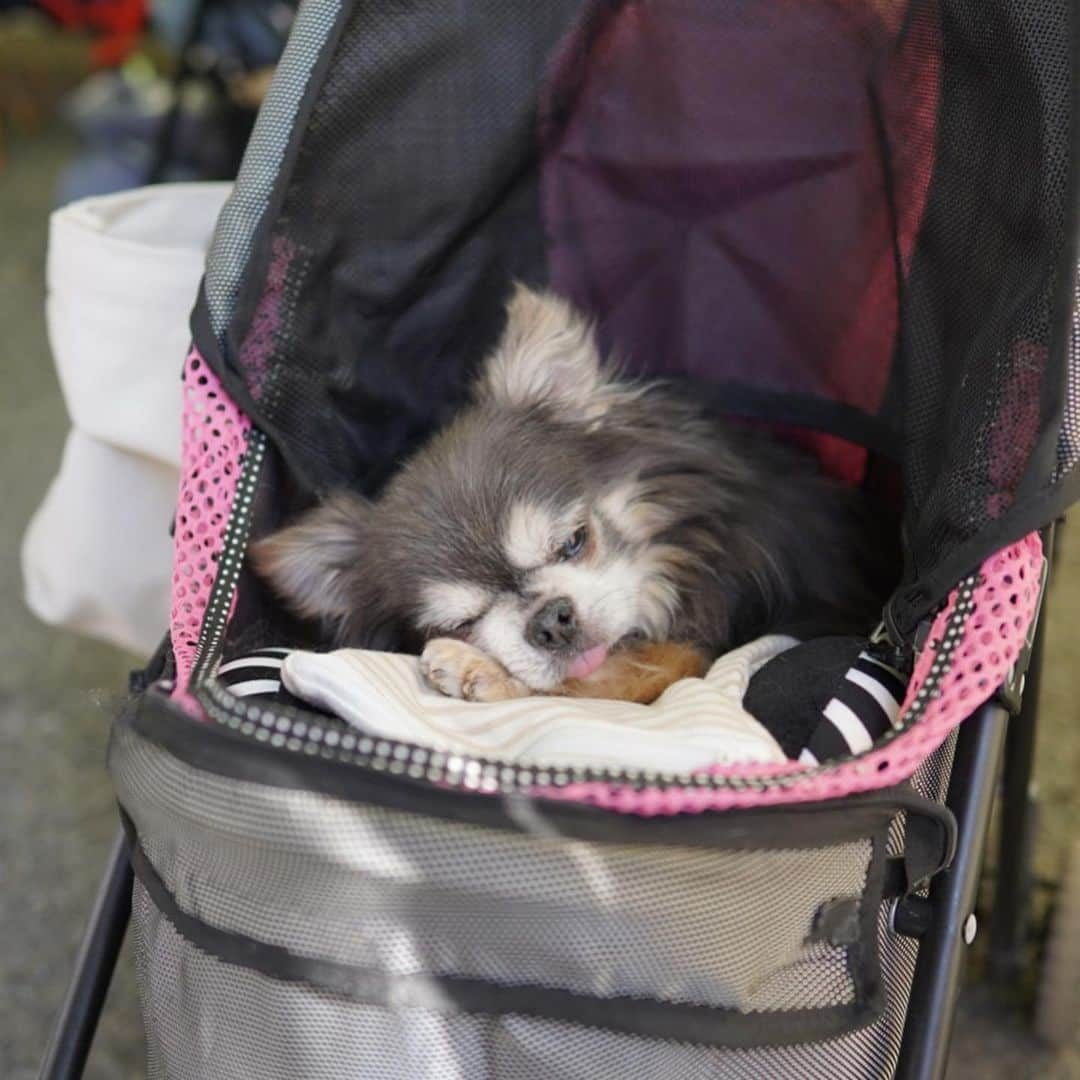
<point x="257" y="675"/>
<point x="865" y="706"/>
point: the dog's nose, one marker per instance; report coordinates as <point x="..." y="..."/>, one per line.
<point x="554" y="626"/>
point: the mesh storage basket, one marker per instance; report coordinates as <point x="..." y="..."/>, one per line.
<point x="870" y="204"/>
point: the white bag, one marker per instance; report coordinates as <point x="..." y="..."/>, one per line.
<point x="122" y="274"/>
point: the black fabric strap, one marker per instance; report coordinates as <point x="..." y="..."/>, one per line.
<point x="797" y="410"/>
<point x="923" y="857"/>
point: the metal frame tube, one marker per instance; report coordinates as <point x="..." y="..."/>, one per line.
<point x="1012" y="892"/>
<point x="76" y="1023"/>
<point x="932" y="1005"/>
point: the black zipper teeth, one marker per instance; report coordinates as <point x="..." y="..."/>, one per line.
<point x="294" y="731"/>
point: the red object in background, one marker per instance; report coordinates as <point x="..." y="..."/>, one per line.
<point x="119" y="23"/>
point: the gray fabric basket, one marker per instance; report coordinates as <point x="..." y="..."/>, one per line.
<point x="296" y="917"/>
<point x="297" y="921"/>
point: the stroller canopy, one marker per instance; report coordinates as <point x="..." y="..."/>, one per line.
<point x="851" y="217"/>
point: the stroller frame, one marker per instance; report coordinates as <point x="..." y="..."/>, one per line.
<point x="991" y="744"/>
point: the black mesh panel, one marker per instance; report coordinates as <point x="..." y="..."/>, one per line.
<point x="410" y="204"/>
<point x="846" y="215"/>
<point x="984" y="364"/>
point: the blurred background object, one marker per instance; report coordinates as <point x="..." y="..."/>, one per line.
<point x="160" y="91"/>
<point x="92" y="105"/>
<point x="155" y="92"/>
<point x="120" y="276"/>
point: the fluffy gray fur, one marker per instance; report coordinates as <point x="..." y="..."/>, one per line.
<point x="706" y="533"/>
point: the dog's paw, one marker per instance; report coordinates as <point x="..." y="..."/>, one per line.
<point x="460" y="671"/>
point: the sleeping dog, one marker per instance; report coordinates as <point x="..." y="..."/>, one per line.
<point x="575" y="532"/>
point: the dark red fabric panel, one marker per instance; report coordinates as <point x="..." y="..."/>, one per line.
<point x="731" y="195"/>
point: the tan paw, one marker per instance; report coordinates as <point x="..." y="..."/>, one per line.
<point x="460" y="671"/>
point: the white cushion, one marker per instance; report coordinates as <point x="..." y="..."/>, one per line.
<point x="694" y="724"/>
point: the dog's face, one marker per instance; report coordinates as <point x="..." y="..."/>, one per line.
<point x="523" y="528"/>
<point x="559" y="583"/>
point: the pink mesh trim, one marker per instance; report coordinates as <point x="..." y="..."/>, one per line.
<point x="212" y="442"/>
<point x="1003" y="605"/>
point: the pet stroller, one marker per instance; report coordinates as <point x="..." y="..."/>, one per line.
<point x="849" y="219"/>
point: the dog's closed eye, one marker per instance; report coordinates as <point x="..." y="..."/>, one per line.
<point x="574" y="546"/>
<point x="452" y="609"/>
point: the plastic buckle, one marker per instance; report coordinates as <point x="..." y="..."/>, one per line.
<point x="911" y="916"/>
<point x="1011" y="692"/>
<point x="889" y="648"/>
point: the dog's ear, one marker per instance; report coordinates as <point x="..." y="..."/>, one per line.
<point x="317" y="564"/>
<point x="547" y="355"/>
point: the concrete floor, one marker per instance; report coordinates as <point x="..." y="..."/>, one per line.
<point x="56" y="809"/>
<point x="57" y="815"/>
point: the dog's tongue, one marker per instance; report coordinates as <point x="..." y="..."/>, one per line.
<point x="588" y="662"/>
